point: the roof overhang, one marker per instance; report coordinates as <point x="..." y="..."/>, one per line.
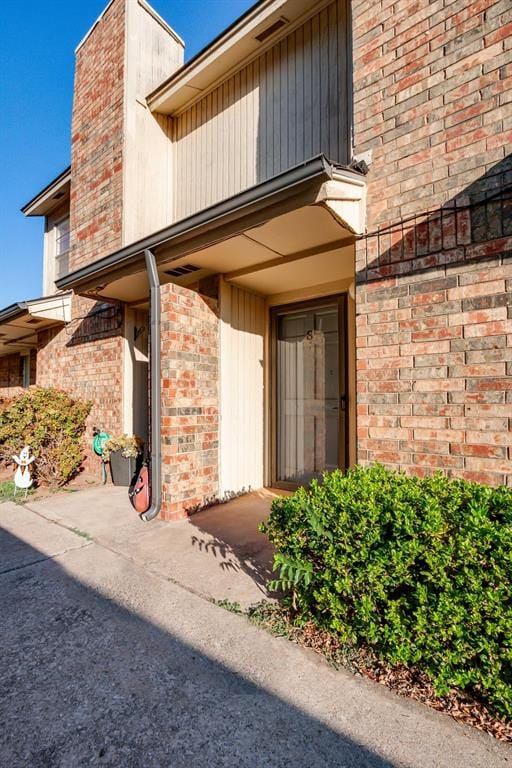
<point x="50" y="197"/>
<point x="21" y="322"/>
<point x="268" y="20"/>
<point x="259" y="214"/>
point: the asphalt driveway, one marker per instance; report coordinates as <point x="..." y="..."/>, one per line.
<point x="105" y="662"/>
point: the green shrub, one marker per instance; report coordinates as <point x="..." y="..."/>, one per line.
<point x="52" y="423"/>
<point x="416" y="569"/>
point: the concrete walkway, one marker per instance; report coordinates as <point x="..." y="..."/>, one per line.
<point x="218" y="553"/>
<point x="104" y="661"/>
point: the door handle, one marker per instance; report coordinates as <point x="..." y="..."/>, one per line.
<point x="343" y="402"/>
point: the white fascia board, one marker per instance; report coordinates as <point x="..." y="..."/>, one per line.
<point x="345" y="198"/>
<point x="57" y="308"/>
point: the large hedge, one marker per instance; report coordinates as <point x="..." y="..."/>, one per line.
<point x="52" y="423"/>
<point x="419" y="570"/>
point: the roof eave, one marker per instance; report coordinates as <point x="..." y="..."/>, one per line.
<point x="12" y="312"/>
<point x="206" y="51"/>
<point x="42" y="203"/>
<point x="237" y="44"/>
<point x="285" y="184"/>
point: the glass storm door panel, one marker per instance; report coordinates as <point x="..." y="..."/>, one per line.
<point x="309" y="392"/>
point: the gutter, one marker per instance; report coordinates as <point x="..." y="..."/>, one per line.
<point x="155" y="464"/>
<point x="12" y="311"/>
<point x="318" y="167"/>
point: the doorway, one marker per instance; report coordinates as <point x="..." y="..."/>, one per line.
<point x="140" y="372"/>
<point x="309" y="390"/>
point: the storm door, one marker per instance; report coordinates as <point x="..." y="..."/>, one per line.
<point x="309" y="391"/>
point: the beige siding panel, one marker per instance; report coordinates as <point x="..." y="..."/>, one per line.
<point x="242" y="390"/>
<point x="282" y="108"/>
<point x="152" y="54"/>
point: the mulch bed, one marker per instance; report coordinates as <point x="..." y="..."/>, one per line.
<point x="406" y="682"/>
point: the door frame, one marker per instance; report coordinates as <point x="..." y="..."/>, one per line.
<point x="341" y="299"/>
<point x="136" y="323"/>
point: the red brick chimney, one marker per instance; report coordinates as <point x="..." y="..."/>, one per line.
<point x="126" y="53"/>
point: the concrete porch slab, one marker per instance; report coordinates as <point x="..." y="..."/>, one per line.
<point x="218" y="553"/>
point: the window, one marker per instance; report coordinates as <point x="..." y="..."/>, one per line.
<point x="62" y="248"/>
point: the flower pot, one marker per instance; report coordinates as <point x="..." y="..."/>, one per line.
<point x="123" y="468"/>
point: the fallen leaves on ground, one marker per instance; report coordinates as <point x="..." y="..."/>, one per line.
<point x="410" y="683"/>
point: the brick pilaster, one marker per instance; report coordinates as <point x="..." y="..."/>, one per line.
<point x="190" y="400"/>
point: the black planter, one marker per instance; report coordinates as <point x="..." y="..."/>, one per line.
<point x="123" y="468"/>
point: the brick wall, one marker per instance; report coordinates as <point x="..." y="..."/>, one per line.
<point x="190" y="400"/>
<point x="11" y="376"/>
<point x="85" y="359"/>
<point x="432" y="85"/>
<point x="97" y="140"/>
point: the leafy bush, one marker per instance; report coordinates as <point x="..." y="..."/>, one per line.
<point x="52" y="423"/>
<point x="416" y="569"/>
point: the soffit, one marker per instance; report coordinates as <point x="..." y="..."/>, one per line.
<point x="229" y="52"/>
<point x="19" y="329"/>
<point x="53" y="195"/>
<point x="284" y="217"/>
<point x="302" y="247"/>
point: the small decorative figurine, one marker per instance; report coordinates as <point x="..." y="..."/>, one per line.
<point x="22" y="477"/>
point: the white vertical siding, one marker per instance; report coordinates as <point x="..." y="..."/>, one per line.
<point x="284" y="107"/>
<point x="242" y="390"/>
<point x="147" y="162"/>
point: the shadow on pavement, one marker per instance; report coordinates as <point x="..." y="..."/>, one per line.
<point x="229" y="534"/>
<point x="84" y="681"/>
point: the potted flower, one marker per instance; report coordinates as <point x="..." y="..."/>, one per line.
<point x="123" y="453"/>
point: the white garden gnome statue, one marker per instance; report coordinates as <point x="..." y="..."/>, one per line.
<point x="22" y="477"/>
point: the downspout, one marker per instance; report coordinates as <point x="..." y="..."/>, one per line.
<point x="155" y="465"/>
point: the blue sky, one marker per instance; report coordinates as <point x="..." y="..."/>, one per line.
<point x="37" y="42"/>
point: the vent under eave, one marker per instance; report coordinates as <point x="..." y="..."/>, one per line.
<point x="185" y="269"/>
<point x="269" y="31"/>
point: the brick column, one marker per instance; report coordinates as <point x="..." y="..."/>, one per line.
<point x="190" y="400"/>
<point x="97" y="139"/>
